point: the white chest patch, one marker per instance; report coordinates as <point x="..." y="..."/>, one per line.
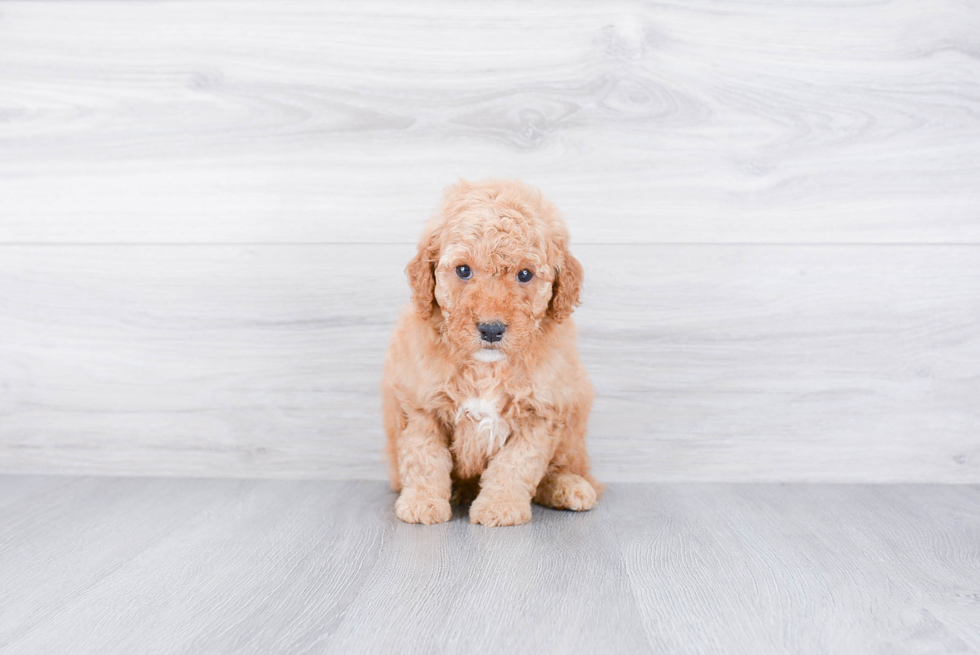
<point x="488" y="421"/>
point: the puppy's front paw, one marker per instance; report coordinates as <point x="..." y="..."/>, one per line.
<point x="494" y="512"/>
<point x="414" y="506"/>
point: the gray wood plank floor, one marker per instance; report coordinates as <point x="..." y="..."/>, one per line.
<point x="103" y="565"/>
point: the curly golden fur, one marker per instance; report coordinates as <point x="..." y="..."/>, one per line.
<point x="498" y="423"/>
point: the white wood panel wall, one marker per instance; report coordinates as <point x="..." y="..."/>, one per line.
<point x="205" y="209"/>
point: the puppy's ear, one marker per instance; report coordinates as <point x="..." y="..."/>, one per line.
<point x="566" y="289"/>
<point x="421" y="274"/>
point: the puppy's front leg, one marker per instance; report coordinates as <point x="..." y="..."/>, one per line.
<point x="510" y="480"/>
<point x="424" y="466"/>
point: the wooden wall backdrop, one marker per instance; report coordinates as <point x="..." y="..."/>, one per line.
<point x="205" y="209"/>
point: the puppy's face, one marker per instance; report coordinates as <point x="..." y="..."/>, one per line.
<point x="496" y="265"/>
<point x="493" y="287"/>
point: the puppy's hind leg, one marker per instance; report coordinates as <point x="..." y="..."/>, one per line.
<point x="566" y="490"/>
<point x="567" y="483"/>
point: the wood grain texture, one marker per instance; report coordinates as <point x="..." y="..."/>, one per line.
<point x="816" y="363"/>
<point x="205" y="208"/>
<point x="789" y="569"/>
<point x="704" y="121"/>
<point x="193" y="566"/>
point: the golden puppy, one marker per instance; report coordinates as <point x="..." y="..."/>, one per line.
<point x="483" y="391"/>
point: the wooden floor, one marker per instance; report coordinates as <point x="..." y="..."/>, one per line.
<point x="155" y="565"/>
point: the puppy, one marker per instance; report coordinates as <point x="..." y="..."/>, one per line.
<point x="484" y="397"/>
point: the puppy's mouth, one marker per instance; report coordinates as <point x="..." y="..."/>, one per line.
<point x="490" y="354"/>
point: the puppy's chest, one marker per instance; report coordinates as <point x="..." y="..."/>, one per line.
<point x="480" y="421"/>
<point x="482" y="424"/>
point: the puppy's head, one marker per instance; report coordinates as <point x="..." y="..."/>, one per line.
<point x="493" y="267"/>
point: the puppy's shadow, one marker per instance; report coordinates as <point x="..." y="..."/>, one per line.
<point x="461" y="512"/>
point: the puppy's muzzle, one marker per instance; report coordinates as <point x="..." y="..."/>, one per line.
<point x="491" y="332"/>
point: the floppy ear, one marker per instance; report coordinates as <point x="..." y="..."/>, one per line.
<point x="566" y="289"/>
<point x="421" y="274"/>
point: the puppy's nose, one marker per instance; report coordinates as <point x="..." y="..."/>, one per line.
<point x="491" y="332"/>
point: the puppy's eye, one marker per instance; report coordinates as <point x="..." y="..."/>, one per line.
<point x="464" y="272"/>
<point x="525" y="276"/>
